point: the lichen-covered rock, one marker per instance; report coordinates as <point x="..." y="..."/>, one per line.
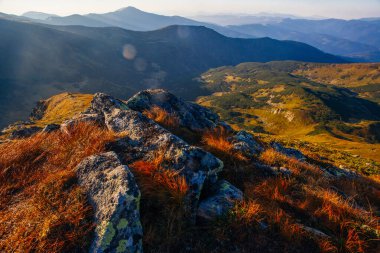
<point x="222" y="198"/>
<point x="245" y="144"/>
<point x="145" y="139"/>
<point x="103" y="103"/>
<point x="190" y="115"/>
<point x="84" y="117"/>
<point x="24" y="132"/>
<point x="114" y="194"/>
<point x="290" y="152"/>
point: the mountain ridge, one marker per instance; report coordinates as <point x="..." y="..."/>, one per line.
<point x="77" y="58"/>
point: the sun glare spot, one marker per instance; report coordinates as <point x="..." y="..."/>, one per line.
<point x="129" y="52"/>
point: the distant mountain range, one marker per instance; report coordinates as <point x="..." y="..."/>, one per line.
<point x="358" y="40"/>
<point x="128" y="18"/>
<point x="39" y="60"/>
<point x="243" y="19"/>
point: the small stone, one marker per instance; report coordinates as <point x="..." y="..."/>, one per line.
<point x="221" y="200"/>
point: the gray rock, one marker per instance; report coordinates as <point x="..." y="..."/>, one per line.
<point x="94" y="118"/>
<point x="190" y="115"/>
<point x="50" y="128"/>
<point x="290" y="152"/>
<point x="281" y="171"/>
<point x="145" y="139"/>
<point x="220" y="202"/>
<point x="115" y="196"/>
<point x="314" y="231"/>
<point x="103" y="103"/>
<point x="341" y="172"/>
<point x="245" y="144"/>
<point x="24" y="132"/>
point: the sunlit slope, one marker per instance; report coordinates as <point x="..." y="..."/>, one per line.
<point x="361" y="78"/>
<point x="269" y="98"/>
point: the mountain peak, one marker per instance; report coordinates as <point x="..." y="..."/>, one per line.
<point x="38" y="15"/>
<point x="130" y="9"/>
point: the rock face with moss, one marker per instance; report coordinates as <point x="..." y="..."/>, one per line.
<point x="115" y="197"/>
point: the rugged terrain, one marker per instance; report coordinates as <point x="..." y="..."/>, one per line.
<point x="155" y="173"/>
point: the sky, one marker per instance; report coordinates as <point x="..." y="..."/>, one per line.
<point x="346" y="9"/>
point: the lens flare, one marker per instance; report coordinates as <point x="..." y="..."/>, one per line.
<point x="129" y="52"/>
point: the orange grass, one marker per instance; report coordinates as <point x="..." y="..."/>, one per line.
<point x="162" y="117"/>
<point x="217" y="141"/>
<point x="42" y="209"/>
<point x="163" y="204"/>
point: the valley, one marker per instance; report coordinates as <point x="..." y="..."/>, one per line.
<point x="301" y="101"/>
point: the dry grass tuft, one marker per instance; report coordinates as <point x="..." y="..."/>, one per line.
<point x="247" y="212"/>
<point x="42" y="209"/>
<point x="163" y="204"/>
<point x="162" y="117"/>
<point x="217" y="142"/>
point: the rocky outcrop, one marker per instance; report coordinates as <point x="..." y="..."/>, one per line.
<point x="24" y="132"/>
<point x="103" y="103"/>
<point x="190" y="115"/>
<point x="146" y="139"/>
<point x="115" y="196"/>
<point x="222" y="198"/>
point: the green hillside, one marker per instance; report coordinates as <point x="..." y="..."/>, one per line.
<point x="275" y="99"/>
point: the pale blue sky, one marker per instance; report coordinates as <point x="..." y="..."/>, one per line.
<point x="327" y="8"/>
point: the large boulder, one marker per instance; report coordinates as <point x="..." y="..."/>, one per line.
<point x="114" y="194"/>
<point x="190" y="115"/>
<point x="145" y="139"/>
<point x="222" y="198"/>
<point x="103" y="103"/>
